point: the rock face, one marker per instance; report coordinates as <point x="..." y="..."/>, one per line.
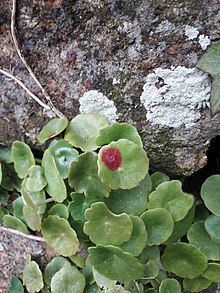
<point x="133" y="61"/>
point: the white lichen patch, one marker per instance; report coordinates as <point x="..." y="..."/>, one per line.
<point x="204" y="41"/>
<point x="175" y="96"/>
<point x="95" y="102"/>
<point x="191" y="32"/>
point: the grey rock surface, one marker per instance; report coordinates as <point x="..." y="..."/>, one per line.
<point x="113" y="47"/>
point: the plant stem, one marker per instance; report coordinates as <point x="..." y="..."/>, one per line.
<point x="32" y="237"/>
<point x="48" y="200"/>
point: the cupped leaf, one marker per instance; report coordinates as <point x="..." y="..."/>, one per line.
<point x="169" y="195"/>
<point x="59" y="235"/>
<point x="32" y="218"/>
<point x="32" y="278"/>
<point x="68" y="280"/>
<point x="56" y="187"/>
<point x="59" y="210"/>
<point x="198" y="236"/>
<point x="196" y="285"/>
<point x="212" y="224"/>
<point x="210" y="193"/>
<point x="122" y="164"/>
<point x="83" y="176"/>
<point x="16" y="286"/>
<point x="14" y="223"/>
<point x="159" y="225"/>
<point x="55" y="265"/>
<point x="115" y="264"/>
<point x="170" y="285"/>
<point x="212" y="273"/>
<point x="102" y="281"/>
<point x="117" y="131"/>
<point x="22" y="157"/>
<point x="104" y="227"/>
<point x="131" y="201"/>
<point x="138" y="240"/>
<point x="35" y="181"/>
<point x="54" y="127"/>
<point x="184" y="260"/>
<point x="157" y="178"/>
<point x="83" y="130"/>
<point x="64" y="154"/>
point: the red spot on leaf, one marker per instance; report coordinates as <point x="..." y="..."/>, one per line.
<point x="112" y="158"/>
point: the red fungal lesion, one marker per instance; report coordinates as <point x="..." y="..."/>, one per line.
<point x="111" y="157"/>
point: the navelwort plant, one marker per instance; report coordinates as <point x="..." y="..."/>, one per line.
<point x="115" y="227"/>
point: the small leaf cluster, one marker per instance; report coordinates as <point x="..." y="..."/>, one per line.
<point x="115" y="227"/>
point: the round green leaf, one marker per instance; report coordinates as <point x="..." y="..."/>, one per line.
<point x="159" y="225"/>
<point x="170" y="285"/>
<point x="68" y="280"/>
<point x="196" y="285"/>
<point x="131" y="168"/>
<point x="169" y="195"/>
<point x="14" y="223"/>
<point x="56" y="187"/>
<point x="104" y="227"/>
<point x="35" y="181"/>
<point x="198" y="236"/>
<point x="55" y="265"/>
<point x="184" y="260"/>
<point x="157" y="178"/>
<point x="33" y="279"/>
<point x="83" y="176"/>
<point x="210" y="193"/>
<point x="83" y="130"/>
<point x="16" y="285"/>
<point x="151" y="269"/>
<point x="102" y="281"/>
<point x="115" y="264"/>
<point x="32" y="218"/>
<point x="132" y="201"/>
<point x="64" y="154"/>
<point x="138" y="240"/>
<point x="22" y="157"/>
<point x="59" y="235"/>
<point x="54" y="127"/>
<point x="212" y="224"/>
<point x="212" y="273"/>
<point x="59" y="210"/>
<point x="117" y="131"/>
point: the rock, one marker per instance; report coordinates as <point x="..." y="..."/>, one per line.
<point x="125" y="53"/>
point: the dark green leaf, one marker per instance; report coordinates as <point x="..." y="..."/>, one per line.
<point x="157" y="178"/>
<point x="16" y="286"/>
<point x="170" y="285"/>
<point x="196" y="285"/>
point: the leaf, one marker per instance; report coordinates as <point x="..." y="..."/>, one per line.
<point x="170" y="285"/>
<point x="212" y="273"/>
<point x="64" y="154"/>
<point x="83" y="176"/>
<point x="157" y="178"/>
<point x="54" y="266"/>
<point x="83" y="130"/>
<point x="115" y="264"/>
<point x="138" y="240"/>
<point x="102" y="281"/>
<point x="196" y="285"/>
<point x="35" y="181"/>
<point x="32" y="278"/>
<point x="22" y="157"/>
<point x="215" y="92"/>
<point x="131" y="161"/>
<point x="5" y="154"/>
<point x="118" y="131"/>
<point x="150" y="253"/>
<point x="14" y="223"/>
<point x="56" y="187"/>
<point x="54" y="127"/>
<point x="17" y="205"/>
<point x="151" y="269"/>
<point x="184" y="260"/>
<point x="116" y="288"/>
<point x="212" y="224"/>
<point x="16" y="286"/>
<point x="131" y="201"/>
<point x="59" y="235"/>
<point x="169" y="195"/>
<point x="0" y="173"/>
<point x="159" y="225"/>
<point x="59" y="210"/>
<point x="198" y="236"/>
<point x="210" y="193"/>
<point x="104" y="227"/>
<point x="32" y="218"/>
<point x="68" y="280"/>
